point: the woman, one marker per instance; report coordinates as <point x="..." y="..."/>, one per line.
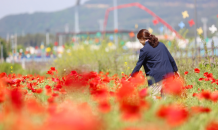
<point x="156" y="59"/>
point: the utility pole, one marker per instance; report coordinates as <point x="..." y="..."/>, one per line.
<point x="101" y="25"/>
<point x="47" y="37"/>
<point x="12" y="47"/>
<point x="1" y="51"/>
<point x="115" y="21"/>
<point x="204" y="21"/>
<point x="66" y="28"/>
<point x="60" y="40"/>
<point x="77" y="17"/>
<point x="15" y="42"/>
<point x="196" y="25"/>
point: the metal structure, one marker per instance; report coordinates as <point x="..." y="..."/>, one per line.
<point x="77" y="30"/>
<point x="1" y="44"/>
<point x="204" y="21"/>
<point x="115" y="21"/>
<point x="196" y="26"/>
<point x="143" y="8"/>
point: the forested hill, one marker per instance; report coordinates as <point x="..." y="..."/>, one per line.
<point x="94" y="10"/>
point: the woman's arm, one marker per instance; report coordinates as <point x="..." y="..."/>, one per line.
<point x="172" y="61"/>
<point x="142" y="56"/>
<point x="177" y="74"/>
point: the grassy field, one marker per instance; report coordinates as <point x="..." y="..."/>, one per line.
<point x="89" y="90"/>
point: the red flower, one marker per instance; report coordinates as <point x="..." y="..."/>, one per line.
<point x="186" y="72"/>
<point x="73" y="72"/>
<point x="2" y="97"/>
<point x="200" y="79"/>
<point x="50" y="72"/>
<point x="39" y="90"/>
<point x="48" y="87"/>
<point x="104" y="106"/>
<point x="50" y="99"/>
<point x="188" y="87"/>
<point x="205" y="94"/>
<point x="199" y="109"/>
<point x="2" y="75"/>
<point x="174" y="114"/>
<point x="173" y="86"/>
<point x="205" y="74"/>
<point x="197" y="70"/>
<point x="214" y="96"/>
<point x="106" y="79"/>
<point x="16" y="98"/>
<point x="126" y="90"/>
<point x="54" y="94"/>
<point x="212" y="126"/>
<point x="99" y="93"/>
<point x="143" y="93"/>
<point x="194" y="94"/>
<point x="131" y="110"/>
<point x="53" y="69"/>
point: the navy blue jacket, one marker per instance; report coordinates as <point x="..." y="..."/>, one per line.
<point x="157" y="62"/>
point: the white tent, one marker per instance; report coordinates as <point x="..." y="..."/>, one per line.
<point x="134" y="45"/>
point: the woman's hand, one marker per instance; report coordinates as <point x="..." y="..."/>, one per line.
<point x="128" y="78"/>
<point x="177" y="74"/>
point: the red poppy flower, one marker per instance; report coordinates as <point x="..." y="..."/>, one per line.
<point x="205" y="74"/>
<point x="52" y="68"/>
<point x="131" y="110"/>
<point x="50" y="72"/>
<point x="73" y="72"/>
<point x="205" y="94"/>
<point x="187" y="87"/>
<point x="104" y="106"/>
<point x="186" y="72"/>
<point x="214" y="96"/>
<point x="197" y="70"/>
<point x="50" y="100"/>
<point x="143" y="93"/>
<point x="54" y="94"/>
<point x="39" y="90"/>
<point x="199" y="109"/>
<point x="2" y="75"/>
<point x="126" y="90"/>
<point x="194" y="94"/>
<point x="174" y="114"/>
<point x="212" y="126"/>
<point x="72" y="118"/>
<point x="2" y="97"/>
<point x="173" y="86"/>
<point x="99" y="93"/>
<point x="200" y="79"/>
<point x="16" y="98"/>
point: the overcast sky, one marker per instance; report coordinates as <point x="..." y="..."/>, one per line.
<point x="30" y="6"/>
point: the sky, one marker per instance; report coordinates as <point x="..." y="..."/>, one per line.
<point x="9" y="7"/>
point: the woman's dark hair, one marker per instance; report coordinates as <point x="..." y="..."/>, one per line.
<point x="152" y="39"/>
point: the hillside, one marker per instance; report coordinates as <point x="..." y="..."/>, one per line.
<point x="94" y="10"/>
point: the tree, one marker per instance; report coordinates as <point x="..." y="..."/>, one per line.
<point x="5" y="48"/>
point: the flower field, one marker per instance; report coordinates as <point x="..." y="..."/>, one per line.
<point x="100" y="101"/>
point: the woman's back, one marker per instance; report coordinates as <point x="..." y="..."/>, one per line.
<point x="157" y="61"/>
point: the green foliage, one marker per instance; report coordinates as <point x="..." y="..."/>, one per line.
<point x="11" y="68"/>
<point x="16" y="69"/>
<point x="83" y="58"/>
<point x="33" y="39"/>
<point x="5" y="48"/>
